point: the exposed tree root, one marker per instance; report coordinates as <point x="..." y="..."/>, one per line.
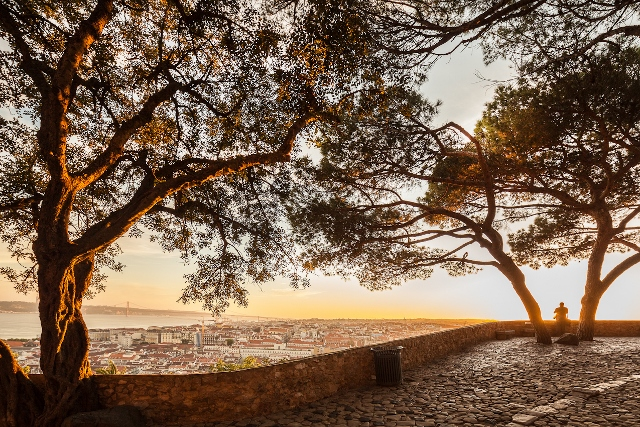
<point x="20" y="400"/>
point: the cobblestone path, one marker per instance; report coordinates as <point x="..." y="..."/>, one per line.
<point x="508" y="383"/>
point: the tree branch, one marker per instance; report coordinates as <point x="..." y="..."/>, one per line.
<point x="151" y="192"/>
<point x="500" y="12"/>
<point x="115" y="149"/>
<point x="21" y="203"/>
<point x="77" y="46"/>
<point x="31" y="66"/>
<point x="619" y="269"/>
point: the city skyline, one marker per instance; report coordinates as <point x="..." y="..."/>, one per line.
<point x="185" y="349"/>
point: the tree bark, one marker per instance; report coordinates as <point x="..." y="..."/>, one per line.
<point x="20" y="401"/>
<point x="590" y="302"/>
<point x="533" y="310"/>
<point x="512" y="272"/>
<point x="595" y="287"/>
<point x="65" y="339"/>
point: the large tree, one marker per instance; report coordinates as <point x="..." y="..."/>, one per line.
<point x="383" y="202"/>
<point x="543" y="38"/>
<point x="172" y="117"/>
<point x="568" y="145"/>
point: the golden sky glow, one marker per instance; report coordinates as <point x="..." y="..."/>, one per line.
<point x="153" y="279"/>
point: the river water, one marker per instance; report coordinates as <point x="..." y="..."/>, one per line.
<point x="27" y="325"/>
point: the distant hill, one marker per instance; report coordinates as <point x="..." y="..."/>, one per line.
<point x="32" y="307"/>
<point x="106" y="309"/>
<point x="18" y="307"/>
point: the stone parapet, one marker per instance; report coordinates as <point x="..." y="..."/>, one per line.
<point x="191" y="400"/>
<point x="603" y="328"/>
<point x="171" y="400"/>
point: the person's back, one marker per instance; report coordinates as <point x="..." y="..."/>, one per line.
<point x="561" y="312"/>
<point x="561" y="316"/>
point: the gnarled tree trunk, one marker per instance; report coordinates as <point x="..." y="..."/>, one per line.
<point x="64" y="351"/>
<point x="65" y="339"/>
<point x="595" y="287"/>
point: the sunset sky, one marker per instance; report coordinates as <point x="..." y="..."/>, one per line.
<point x="153" y="279"/>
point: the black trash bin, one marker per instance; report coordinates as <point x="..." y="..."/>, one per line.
<point x="388" y="365"/>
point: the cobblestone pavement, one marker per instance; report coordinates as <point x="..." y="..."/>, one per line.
<point x="508" y="383"/>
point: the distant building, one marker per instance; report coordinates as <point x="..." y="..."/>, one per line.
<point x="222" y="349"/>
<point x="151" y="337"/>
<point x="186" y="337"/>
<point x="125" y="340"/>
<point x="209" y="339"/>
<point x="171" y="337"/>
<point x="275" y="350"/>
<point x="99" y="335"/>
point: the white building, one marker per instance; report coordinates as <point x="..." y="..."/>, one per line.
<point x="151" y="337"/>
<point x="171" y="337"/>
<point x="96" y="335"/>
<point x="125" y="340"/>
<point x="275" y="352"/>
<point x="223" y="349"/>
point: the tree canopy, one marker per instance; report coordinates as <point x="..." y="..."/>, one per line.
<point x="531" y="33"/>
<point x="167" y="98"/>
<point x="553" y="32"/>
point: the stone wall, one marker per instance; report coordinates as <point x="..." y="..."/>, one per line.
<point x="603" y="328"/>
<point x="184" y="400"/>
<point x="170" y="400"/>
